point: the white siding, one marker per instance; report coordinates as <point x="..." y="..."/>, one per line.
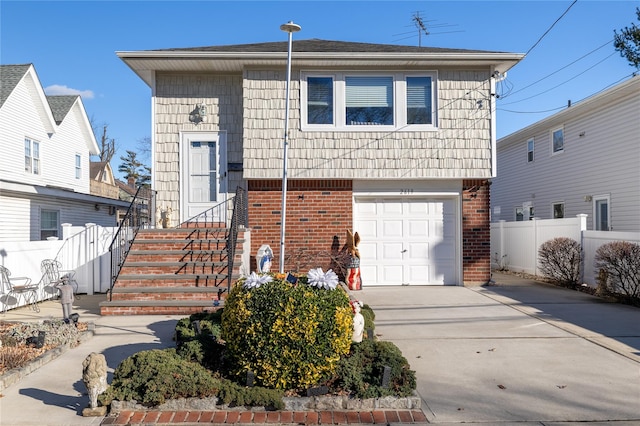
<point x="601" y="157"/>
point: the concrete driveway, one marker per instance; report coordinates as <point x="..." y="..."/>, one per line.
<point x="514" y="352"/>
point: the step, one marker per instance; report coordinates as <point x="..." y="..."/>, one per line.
<point x="206" y="294"/>
<point x="152" y="307"/>
<point x="178" y="268"/>
<point x="168" y="280"/>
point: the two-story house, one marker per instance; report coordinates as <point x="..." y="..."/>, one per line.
<point x="582" y="160"/>
<point x="394" y="142"/>
<point x="47" y="142"/>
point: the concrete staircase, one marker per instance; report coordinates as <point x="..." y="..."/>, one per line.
<point x="176" y="271"/>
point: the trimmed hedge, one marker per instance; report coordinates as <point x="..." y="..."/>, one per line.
<point x="290" y="336"/>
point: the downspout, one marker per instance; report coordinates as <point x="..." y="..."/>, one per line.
<point x="152" y="207"/>
<point x="492" y="123"/>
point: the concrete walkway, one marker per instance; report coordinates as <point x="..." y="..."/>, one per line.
<point x="513" y="353"/>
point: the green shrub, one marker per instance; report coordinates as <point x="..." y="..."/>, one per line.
<point x="151" y="377"/>
<point x="560" y="260"/>
<point x="204" y="347"/>
<point x="289" y="336"/>
<point x="369" y="318"/>
<point x="361" y="372"/>
<point x="618" y="266"/>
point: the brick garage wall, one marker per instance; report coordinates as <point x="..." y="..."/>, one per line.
<point x="318" y="214"/>
<point x="476" y="241"/>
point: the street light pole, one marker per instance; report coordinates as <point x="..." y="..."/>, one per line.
<point x="290" y="28"/>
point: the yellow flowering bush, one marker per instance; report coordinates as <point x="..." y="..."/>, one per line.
<point x="291" y="336"/>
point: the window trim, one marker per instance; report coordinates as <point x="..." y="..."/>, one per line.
<point x="596" y="214"/>
<point x="34" y="160"/>
<point x="553" y="148"/>
<point x="78" y="164"/>
<point x="57" y="228"/>
<point x="339" y="101"/>
<point x="553" y="209"/>
<point x="531" y="149"/>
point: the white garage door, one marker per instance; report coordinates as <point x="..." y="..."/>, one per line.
<point x="406" y="241"/>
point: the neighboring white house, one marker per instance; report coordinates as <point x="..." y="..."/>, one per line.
<point x="46" y="145"/>
<point x="395" y="142"/>
<point x="584" y="159"/>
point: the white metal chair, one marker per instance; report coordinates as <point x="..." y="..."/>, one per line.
<point x="53" y="275"/>
<point x="15" y="288"/>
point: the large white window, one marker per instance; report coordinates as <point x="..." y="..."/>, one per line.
<point x="31" y="156"/>
<point x="557" y="138"/>
<point x="49" y="223"/>
<point x="351" y="101"/>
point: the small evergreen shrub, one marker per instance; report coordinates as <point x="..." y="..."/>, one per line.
<point x="369" y="318"/>
<point x="151" y="377"/>
<point x="560" y="260"/>
<point x="618" y="266"/>
<point x="361" y="372"/>
<point x="291" y="336"/>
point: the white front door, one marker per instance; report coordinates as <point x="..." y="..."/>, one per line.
<point x="406" y="241"/>
<point x="203" y="177"/>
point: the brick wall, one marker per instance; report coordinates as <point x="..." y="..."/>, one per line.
<point x="318" y="212"/>
<point x="476" y="241"/>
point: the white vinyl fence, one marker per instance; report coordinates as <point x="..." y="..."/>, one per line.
<point x="514" y="245"/>
<point x="84" y="250"/>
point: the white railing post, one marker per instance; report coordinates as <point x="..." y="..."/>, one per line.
<point x="582" y="224"/>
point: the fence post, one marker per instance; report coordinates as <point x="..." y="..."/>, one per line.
<point x="582" y="223"/>
<point x="535" y="246"/>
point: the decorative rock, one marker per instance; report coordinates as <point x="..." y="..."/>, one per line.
<point x="328" y="403"/>
<point x="293" y="403"/>
<point x="94" y="376"/>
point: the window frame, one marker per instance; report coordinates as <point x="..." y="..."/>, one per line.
<point x="78" y="164"/>
<point x="531" y="146"/>
<point x="399" y="85"/>
<point x="32" y="157"/>
<point x="597" y="216"/>
<point x="555" y="151"/>
<point x="56" y="230"/>
<point x="553" y="209"/>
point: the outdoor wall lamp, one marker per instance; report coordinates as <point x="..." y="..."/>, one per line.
<point x="199" y="114"/>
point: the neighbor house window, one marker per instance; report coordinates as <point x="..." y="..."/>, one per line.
<point x="519" y="214"/>
<point x="558" y="210"/>
<point x="31" y="156"/>
<point x="78" y="166"/>
<point x="530" y="150"/>
<point x="557" y="137"/>
<point x="49" y="223"/>
<point x="349" y="101"/>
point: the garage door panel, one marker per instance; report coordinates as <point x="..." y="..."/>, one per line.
<point x="417" y="251"/>
<point x="418" y="228"/>
<point x="417" y="274"/>
<point x="391" y="274"/>
<point x="392" y="228"/>
<point x="387" y="208"/>
<point x="391" y="251"/>
<point x="368" y="230"/>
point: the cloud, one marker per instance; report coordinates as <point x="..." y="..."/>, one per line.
<point x="57" y="89"/>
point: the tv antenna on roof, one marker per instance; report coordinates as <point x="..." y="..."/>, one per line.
<point x="424" y="27"/>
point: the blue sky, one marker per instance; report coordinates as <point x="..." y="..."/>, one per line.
<point x="73" y="43"/>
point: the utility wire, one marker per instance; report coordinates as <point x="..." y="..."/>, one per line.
<point x="558" y="70"/>
<point x="552" y="25"/>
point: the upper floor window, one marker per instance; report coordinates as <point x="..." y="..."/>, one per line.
<point x="557" y="137"/>
<point x="31" y="156"/>
<point x="78" y="166"/>
<point x="530" y="150"/>
<point x="349" y="101"/>
<point x="49" y="224"/>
